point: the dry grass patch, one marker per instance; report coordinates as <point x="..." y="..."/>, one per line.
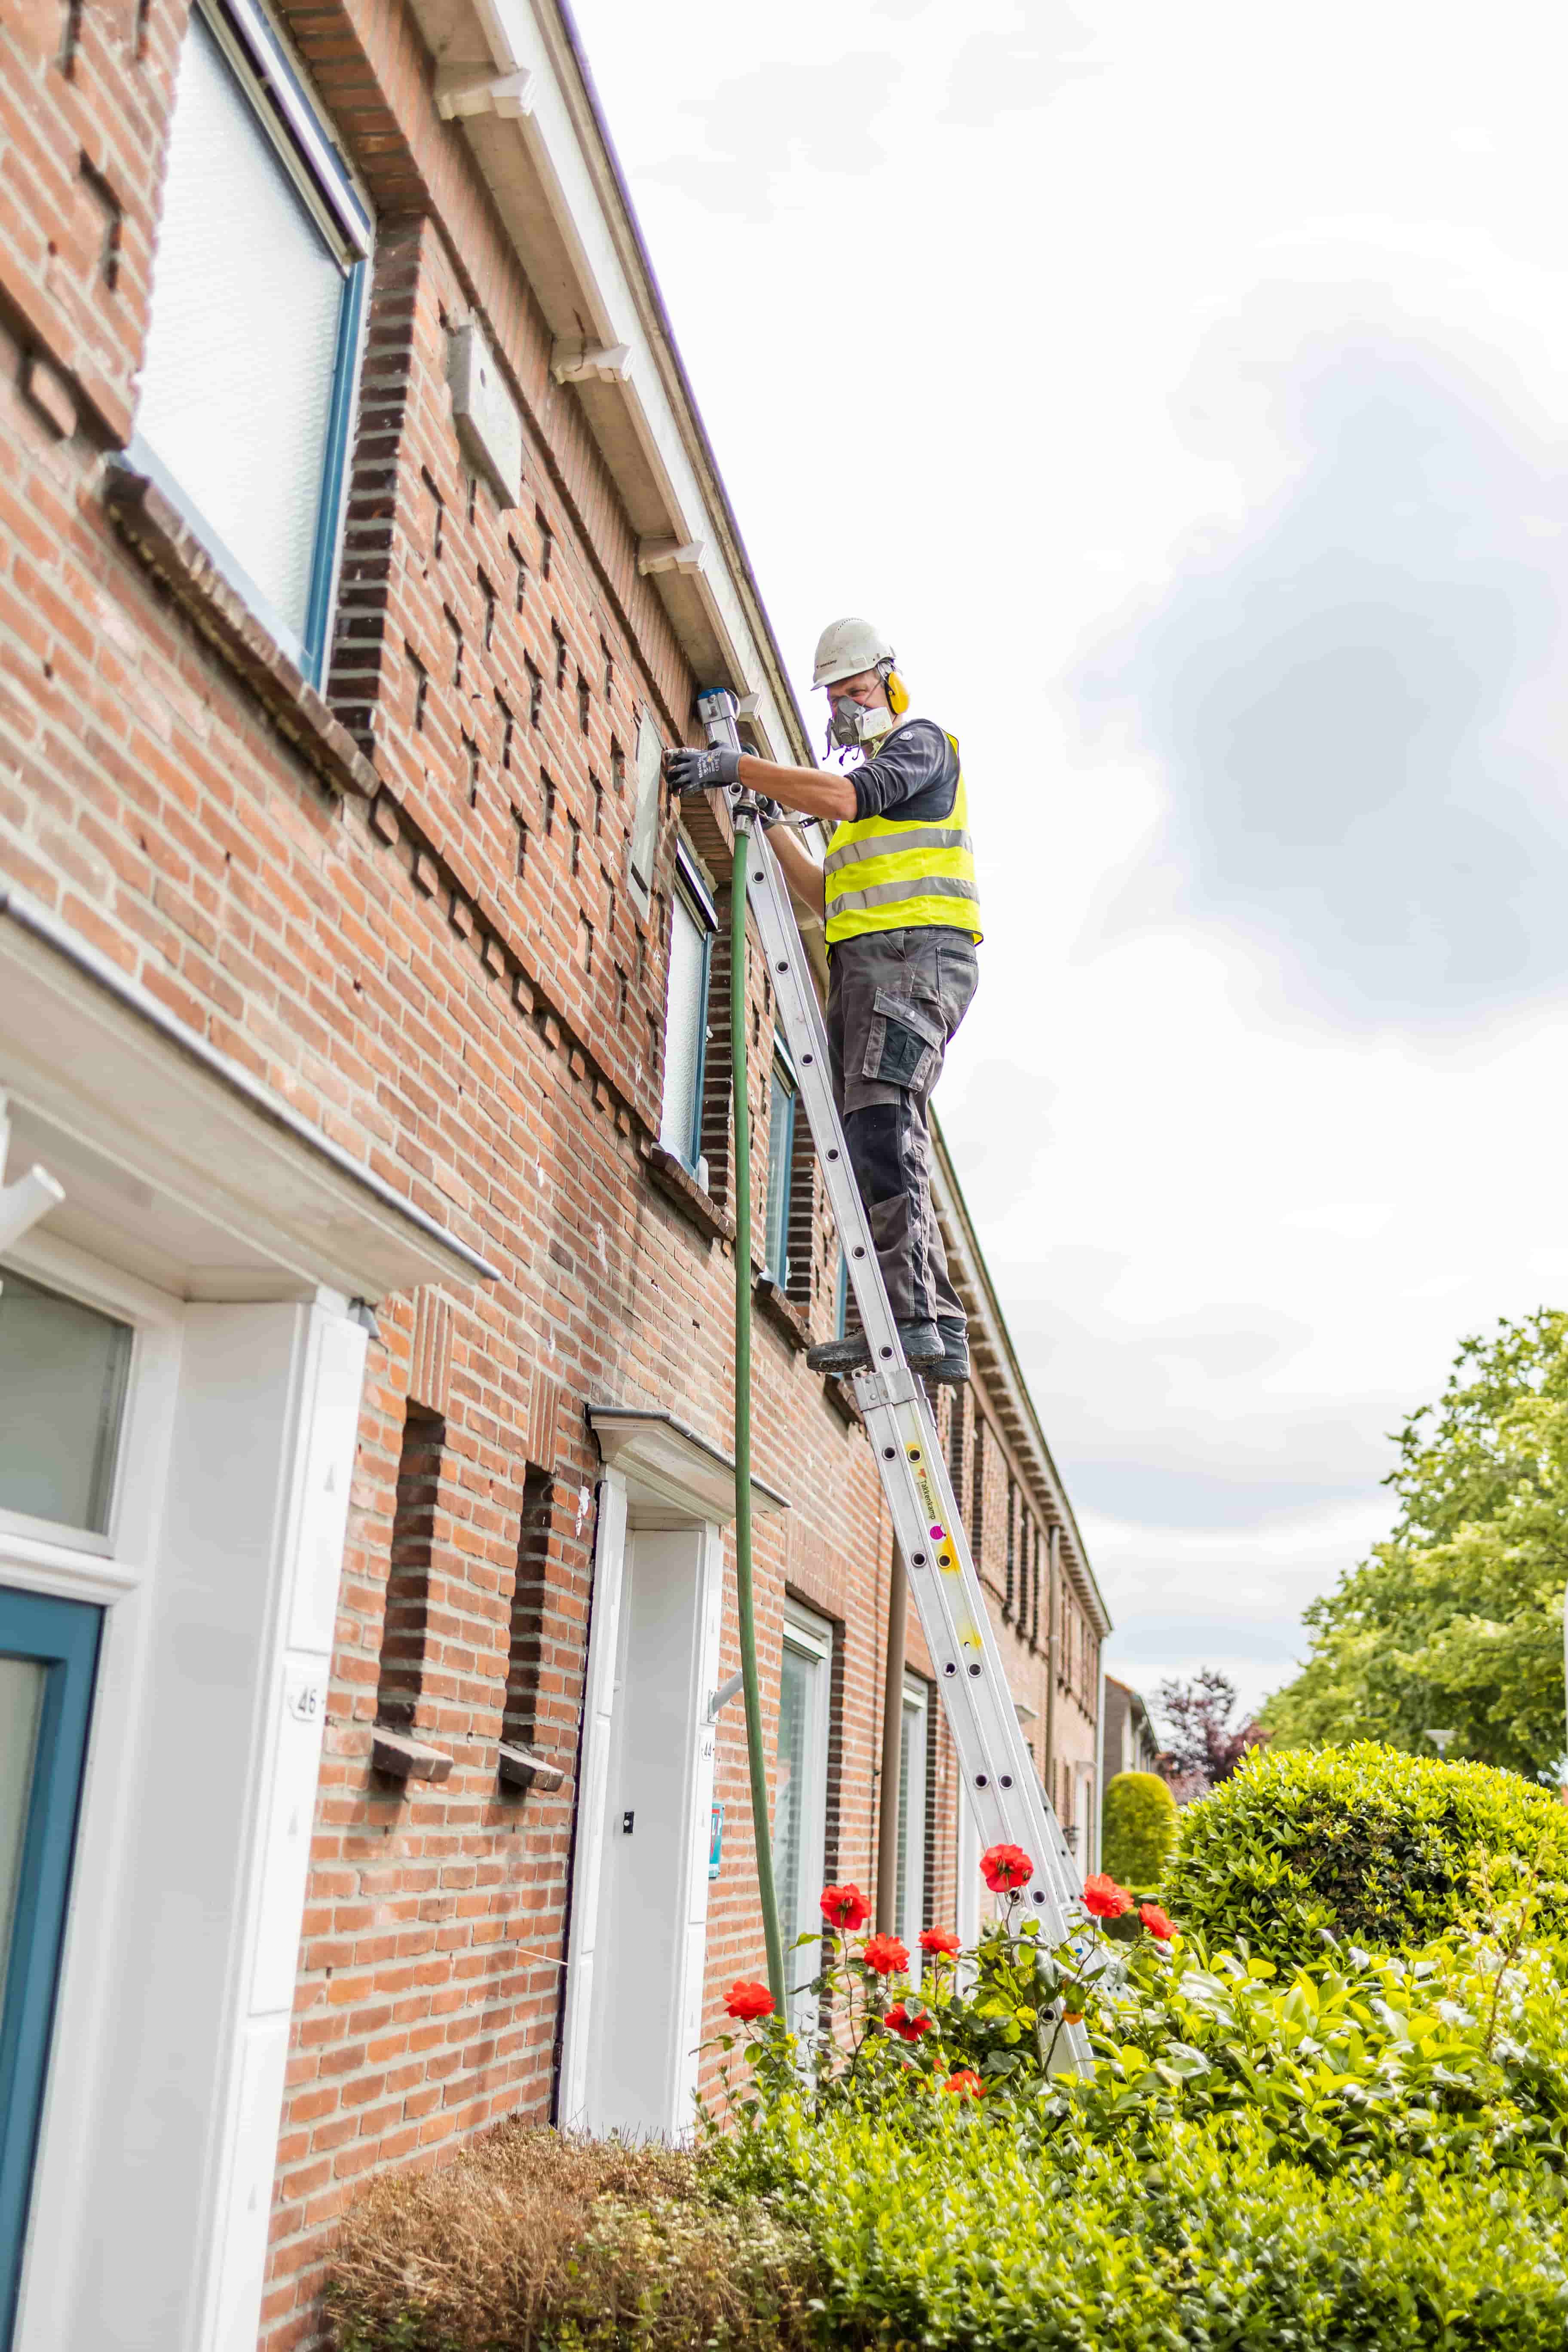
<point x="532" y="2242"/>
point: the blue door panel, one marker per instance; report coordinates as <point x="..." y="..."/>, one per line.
<point x="61" y="1636"/>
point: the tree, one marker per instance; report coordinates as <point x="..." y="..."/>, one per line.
<point x="1203" y="1749"/>
<point x="1138" y="1828"/>
<point x="1456" y="1620"/>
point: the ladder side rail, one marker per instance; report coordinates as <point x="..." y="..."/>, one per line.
<point x="1002" y="1755"/>
<point x="801" y="1017"/>
<point x="999" y="1774"/>
<point x="1009" y="1802"/>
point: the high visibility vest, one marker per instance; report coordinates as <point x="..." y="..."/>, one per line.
<point x="889" y="873"/>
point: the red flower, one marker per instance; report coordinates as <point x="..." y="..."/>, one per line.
<point x="908" y="2024"/>
<point x="886" y="1955"/>
<point x="1004" y="1867"/>
<point x="845" y="1906"/>
<point x="939" y="1941"/>
<point x="1102" y="1896"/>
<point x="966" y="2085"/>
<point x="1157" y="1921"/>
<point x="747" y="2000"/>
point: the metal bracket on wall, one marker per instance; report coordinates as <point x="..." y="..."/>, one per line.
<point x="726" y="1691"/>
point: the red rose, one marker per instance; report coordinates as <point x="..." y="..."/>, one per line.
<point x="1102" y="1896"/>
<point x="845" y="1906"/>
<point x="966" y="2085"/>
<point x="908" y="2024"/>
<point x="1004" y="1867"/>
<point x="747" y="2000"/>
<point x="1157" y="1921"/>
<point x="939" y="1941"/>
<point x="886" y="1955"/>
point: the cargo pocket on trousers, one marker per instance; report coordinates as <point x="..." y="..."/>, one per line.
<point x="903" y="1041"/>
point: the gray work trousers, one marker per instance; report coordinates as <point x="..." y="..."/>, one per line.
<point x="894" y="1000"/>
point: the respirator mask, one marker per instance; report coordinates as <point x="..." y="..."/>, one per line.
<point x="852" y="725"/>
<point x="853" y="728"/>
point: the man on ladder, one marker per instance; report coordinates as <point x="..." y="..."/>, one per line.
<point x="898" y="898"/>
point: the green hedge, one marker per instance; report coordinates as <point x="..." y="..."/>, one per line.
<point x="1193" y="2241"/>
<point x="1138" y="1828"/>
<point x="952" y="2236"/>
<point x="1346" y="2157"/>
<point x="1366" y="1844"/>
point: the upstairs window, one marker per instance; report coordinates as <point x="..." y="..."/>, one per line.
<point x="692" y="923"/>
<point x="645" y="823"/>
<point x="258" y="287"/>
<point x="781" y="1167"/>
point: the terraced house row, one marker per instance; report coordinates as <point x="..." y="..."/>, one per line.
<point x="367" y="1233"/>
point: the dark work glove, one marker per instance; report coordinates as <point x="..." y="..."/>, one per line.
<point x="768" y="812"/>
<point x="697" y="772"/>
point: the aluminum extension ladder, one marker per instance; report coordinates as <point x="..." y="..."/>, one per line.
<point x="1008" y="1801"/>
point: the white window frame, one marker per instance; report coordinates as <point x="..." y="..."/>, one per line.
<point x="783" y="1090"/>
<point x="692" y="893"/>
<point x="810" y="1636"/>
<point x="58" y="1534"/>
<point x="642" y="848"/>
<point x="289" y="116"/>
<point x="74" y="1563"/>
<point x="914" y="1734"/>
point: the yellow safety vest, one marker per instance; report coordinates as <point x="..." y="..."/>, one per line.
<point x="889" y="873"/>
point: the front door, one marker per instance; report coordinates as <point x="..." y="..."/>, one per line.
<point x="48" y="1650"/>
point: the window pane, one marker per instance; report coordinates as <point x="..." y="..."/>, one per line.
<point x="910" y="1891"/>
<point x="902" y="1888"/>
<point x="644" y="824"/>
<point x="62" y="1393"/>
<point x="781" y="1142"/>
<point x="795" y="1710"/>
<point x="22" y="1684"/>
<point x="686" y="1013"/>
<point x="241" y="353"/>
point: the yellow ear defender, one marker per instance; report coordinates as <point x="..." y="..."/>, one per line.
<point x="898" y="694"/>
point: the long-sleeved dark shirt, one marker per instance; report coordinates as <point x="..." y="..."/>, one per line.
<point x="914" y="776"/>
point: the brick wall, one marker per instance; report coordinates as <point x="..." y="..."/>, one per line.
<point x="437" y="958"/>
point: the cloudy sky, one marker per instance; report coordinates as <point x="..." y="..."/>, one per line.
<point x="1184" y="390"/>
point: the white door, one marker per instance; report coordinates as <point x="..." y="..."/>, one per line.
<point x="647" y="1976"/>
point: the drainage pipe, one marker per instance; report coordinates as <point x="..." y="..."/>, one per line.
<point x="745" y="1598"/>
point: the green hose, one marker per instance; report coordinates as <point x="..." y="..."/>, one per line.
<point x="761" y="1828"/>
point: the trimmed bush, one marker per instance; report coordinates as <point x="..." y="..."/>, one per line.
<point x="1368" y="1844"/>
<point x="1139" y="1828"/>
<point x="953" y="2238"/>
<point x="1457" y="2056"/>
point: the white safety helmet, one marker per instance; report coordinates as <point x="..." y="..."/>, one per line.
<point x="846" y="647"/>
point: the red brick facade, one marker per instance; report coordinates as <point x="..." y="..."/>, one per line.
<point x="412" y="921"/>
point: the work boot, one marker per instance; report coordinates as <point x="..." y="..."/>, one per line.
<point x="951" y="1367"/>
<point x="923" y="1346"/>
